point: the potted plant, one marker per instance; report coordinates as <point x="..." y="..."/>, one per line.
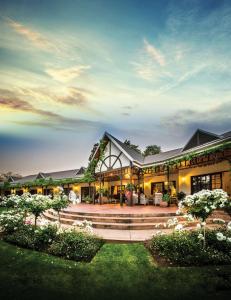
<point x="88" y="199"/>
<point x="165" y="200"/>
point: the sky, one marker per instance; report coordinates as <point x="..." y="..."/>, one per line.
<point x="149" y="71"/>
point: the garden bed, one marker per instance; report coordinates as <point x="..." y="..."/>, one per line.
<point x="184" y="248"/>
<point x="69" y="244"/>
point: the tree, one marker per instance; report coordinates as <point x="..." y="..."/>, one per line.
<point x="59" y="202"/>
<point x="151" y="150"/>
<point x="132" y="146"/>
<point x="93" y="151"/>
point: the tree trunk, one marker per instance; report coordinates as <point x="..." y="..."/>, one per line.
<point x="59" y="219"/>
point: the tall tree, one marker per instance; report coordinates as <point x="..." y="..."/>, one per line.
<point x="132" y="146"/>
<point x="151" y="150"/>
<point x="93" y="151"/>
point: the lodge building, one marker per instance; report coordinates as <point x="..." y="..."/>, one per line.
<point x="203" y="163"/>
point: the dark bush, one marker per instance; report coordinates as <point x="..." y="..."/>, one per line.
<point x="76" y="246"/>
<point x="33" y="238"/>
<point x="184" y="248"/>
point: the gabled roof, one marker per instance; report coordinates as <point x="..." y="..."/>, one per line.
<point x="199" y="138"/>
<point x="226" y="134"/>
<point x="132" y="154"/>
<point x="26" y="178"/>
<point x="64" y="174"/>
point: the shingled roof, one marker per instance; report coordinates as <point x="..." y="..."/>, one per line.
<point x="67" y="174"/>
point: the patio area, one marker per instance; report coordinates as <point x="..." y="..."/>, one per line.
<point x="117" y="209"/>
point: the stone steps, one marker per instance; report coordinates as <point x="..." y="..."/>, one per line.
<point x="128" y="215"/>
<point x="114" y="224"/>
<point x="127" y="221"/>
<point x="115" y="219"/>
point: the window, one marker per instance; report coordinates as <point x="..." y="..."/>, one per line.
<point x="162" y="186"/>
<point x="157" y="187"/>
<point x="208" y="182"/>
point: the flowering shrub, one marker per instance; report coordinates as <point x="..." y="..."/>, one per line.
<point x="11" y="201"/>
<point x="85" y="226"/>
<point x="37" y="204"/>
<point x="184" y="247"/>
<point x="10" y="221"/>
<point x="30" y="237"/>
<point x="200" y="205"/>
<point x="59" y="202"/>
<point x="74" y="245"/>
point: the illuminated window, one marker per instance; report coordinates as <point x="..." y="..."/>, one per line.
<point x="207" y="182"/>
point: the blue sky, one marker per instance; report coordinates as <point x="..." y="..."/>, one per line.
<point x="150" y="71"/>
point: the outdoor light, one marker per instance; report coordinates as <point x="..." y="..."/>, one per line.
<point x="183" y="179"/>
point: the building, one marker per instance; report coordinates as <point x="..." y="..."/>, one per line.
<point x="203" y="163"/>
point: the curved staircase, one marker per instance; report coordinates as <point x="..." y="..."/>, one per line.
<point x="126" y="226"/>
<point x="117" y="221"/>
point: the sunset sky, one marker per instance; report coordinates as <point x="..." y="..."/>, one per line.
<point x="149" y="71"/>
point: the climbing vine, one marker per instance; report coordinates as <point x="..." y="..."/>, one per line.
<point x="191" y="156"/>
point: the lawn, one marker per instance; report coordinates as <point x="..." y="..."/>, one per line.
<point x="118" y="271"/>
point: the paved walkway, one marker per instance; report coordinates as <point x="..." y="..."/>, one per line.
<point x="127" y="235"/>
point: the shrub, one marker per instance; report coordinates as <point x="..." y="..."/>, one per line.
<point x="185" y="248"/>
<point x="10" y="221"/>
<point x="59" y="202"/>
<point x="74" y="245"/>
<point x="28" y="236"/>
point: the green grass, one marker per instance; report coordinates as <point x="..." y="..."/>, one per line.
<point x="118" y="271"/>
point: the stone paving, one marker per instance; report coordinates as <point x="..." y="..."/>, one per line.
<point x="117" y="209"/>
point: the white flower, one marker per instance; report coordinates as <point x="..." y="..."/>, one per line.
<point x="200" y="236"/>
<point x="229" y="239"/>
<point x="179" y="227"/>
<point x="220" y="236"/>
<point x="199" y="226"/>
<point x="229" y="226"/>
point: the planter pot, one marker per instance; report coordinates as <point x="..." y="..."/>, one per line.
<point x="163" y="204"/>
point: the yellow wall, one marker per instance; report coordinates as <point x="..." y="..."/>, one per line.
<point x="186" y="174"/>
<point x="161" y="178"/>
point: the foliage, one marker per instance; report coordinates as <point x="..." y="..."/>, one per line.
<point x="93" y="151"/>
<point x="10" y="221"/>
<point x="11" y="201"/>
<point x="59" y="202"/>
<point x="166" y="198"/>
<point x="74" y="245"/>
<point x="132" y="146"/>
<point x="185" y="248"/>
<point x="37" y="204"/>
<point x="151" y="150"/>
<point x="193" y="155"/>
<point x="88" y="199"/>
<point x="130" y="187"/>
<point x="85" y="226"/>
<point x="181" y="195"/>
<point x="28" y="236"/>
<point x="201" y="205"/>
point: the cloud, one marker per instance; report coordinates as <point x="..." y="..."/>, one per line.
<point x="217" y="118"/>
<point x="154" y="53"/>
<point x="34" y="37"/>
<point x="10" y="100"/>
<point x="75" y="96"/>
<point x="67" y="74"/>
